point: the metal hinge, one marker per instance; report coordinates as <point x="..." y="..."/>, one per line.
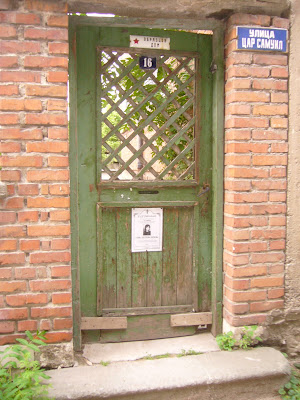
<point x="213" y="67"/>
<point x="207" y="189"/>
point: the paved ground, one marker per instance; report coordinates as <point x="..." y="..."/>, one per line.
<point x="255" y="374"/>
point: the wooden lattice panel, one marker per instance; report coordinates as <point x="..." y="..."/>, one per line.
<point x="147" y="117"/>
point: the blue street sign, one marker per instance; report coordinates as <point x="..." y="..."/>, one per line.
<point x="147" y="62"/>
<point x="262" y="39"/>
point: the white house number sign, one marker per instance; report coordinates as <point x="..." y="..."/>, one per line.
<point x="146" y="229"/>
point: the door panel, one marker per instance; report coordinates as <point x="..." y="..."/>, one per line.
<point x="152" y="135"/>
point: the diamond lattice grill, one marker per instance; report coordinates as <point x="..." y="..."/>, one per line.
<point x="147" y="118"/>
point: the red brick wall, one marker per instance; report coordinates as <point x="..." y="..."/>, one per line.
<point x="35" y="285"/>
<point x="256" y="121"/>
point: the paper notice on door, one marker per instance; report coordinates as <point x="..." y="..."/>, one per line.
<point x="146" y="229"/>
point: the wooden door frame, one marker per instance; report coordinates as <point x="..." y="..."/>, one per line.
<point x="217" y="152"/>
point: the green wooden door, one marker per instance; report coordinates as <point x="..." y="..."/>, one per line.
<point x="145" y="100"/>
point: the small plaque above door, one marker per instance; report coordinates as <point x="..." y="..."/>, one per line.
<point x="146" y="229"/>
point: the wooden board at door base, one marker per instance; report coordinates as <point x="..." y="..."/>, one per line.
<point x="146" y="327"/>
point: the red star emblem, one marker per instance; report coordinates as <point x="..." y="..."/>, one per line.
<point x="136" y="41"/>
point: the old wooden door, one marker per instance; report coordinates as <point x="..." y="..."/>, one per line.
<point x="152" y="135"/>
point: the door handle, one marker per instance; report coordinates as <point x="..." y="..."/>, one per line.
<point x="207" y="189"/>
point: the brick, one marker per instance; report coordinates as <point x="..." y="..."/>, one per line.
<point x="241" y="272"/>
<point x="8" y="61"/>
<point x="46" y="312"/>
<point x="50" y="257"/>
<point x="48" y="230"/>
<point x="45" y="62"/>
<point x="57" y="105"/>
<point x="238" y="58"/>
<point x="237" y="185"/>
<point x="242" y="320"/>
<point x="46" y="91"/>
<point x="275" y="293"/>
<point x="19" y="18"/>
<point x="28" y="189"/>
<point x="50" y="285"/>
<point x="10" y="147"/>
<point x="31" y="216"/>
<point x="60" y="215"/>
<point x="236" y="308"/>
<point x="46" y="33"/>
<point x="15" y="133"/>
<point x="236" y="259"/>
<point x="245" y="122"/>
<point x="44" y="202"/>
<point x="9" y="119"/>
<point x="249" y="19"/>
<point x="13" y="314"/>
<point x="8" y="32"/>
<point x="61" y="298"/>
<point x="279" y="72"/>
<point x="20" y="76"/>
<point x="247" y="96"/>
<point x="42" y="272"/>
<point x="46" y="119"/>
<point x="62" y="323"/>
<point x="278" y="97"/>
<point x="59" y="189"/>
<point x="277" y="197"/>
<point x="270" y="59"/>
<point x="27" y="326"/>
<point x="270" y="160"/>
<point x="238" y="109"/>
<point x="269" y="184"/>
<point x="246" y="295"/>
<point x="27" y="245"/>
<point x="239" y="172"/>
<point x="10" y="339"/>
<point x="251" y="71"/>
<point x="19" y="47"/>
<point x="45" y="325"/>
<point x="5" y="273"/>
<point x="58" y="20"/>
<point x="261" y="134"/>
<point x="237" y="160"/>
<point x="276" y="269"/>
<point x="57" y="77"/>
<point x="238" y="134"/>
<point x="6" y="245"/>
<point x="13" y="286"/>
<point x="237" y="284"/>
<point x="271" y="109"/>
<point x="58" y="48"/>
<point x="279" y="123"/>
<point x="58" y="337"/>
<point x="234" y="234"/>
<point x="58" y="133"/>
<point x="246" y="147"/>
<point x="12" y="258"/>
<point x="25" y="273"/>
<point x="7" y="327"/>
<point x="12" y="231"/>
<point x="9" y="90"/>
<point x="46" y="244"/>
<point x="269" y="209"/>
<point x="13" y="203"/>
<point x="237" y="209"/>
<point x="281" y="22"/>
<point x="60" y="244"/>
<point x="277" y="245"/>
<point x="47" y="175"/>
<point x="26" y="299"/>
<point x="21" y="161"/>
<point x="44" y="216"/>
<point x="61" y="272"/>
<point x="237" y="83"/>
<point x="46" y="5"/>
<point x="269" y="84"/>
<point x="267" y="233"/>
<point x="266" y="306"/>
<point x="47" y="147"/>
<point x="57" y="161"/>
<point x="277" y="220"/>
<point x="270" y="257"/>
<point x="246" y="222"/>
<point x="7" y="217"/>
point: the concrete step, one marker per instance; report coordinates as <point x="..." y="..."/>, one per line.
<point x="254" y="374"/>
